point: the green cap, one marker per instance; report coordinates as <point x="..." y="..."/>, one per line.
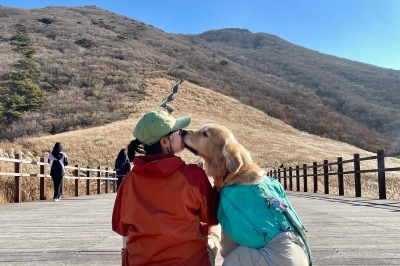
<point x="156" y="124"/>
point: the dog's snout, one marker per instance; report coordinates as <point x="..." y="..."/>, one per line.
<point x="184" y="133"/>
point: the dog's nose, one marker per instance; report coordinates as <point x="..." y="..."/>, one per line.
<point x="184" y="132"/>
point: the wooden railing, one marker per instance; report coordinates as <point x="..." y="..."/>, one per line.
<point x="106" y="175"/>
<point x="288" y="175"/>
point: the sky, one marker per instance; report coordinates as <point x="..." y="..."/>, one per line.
<point x="366" y="31"/>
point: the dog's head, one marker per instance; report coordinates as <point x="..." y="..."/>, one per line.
<point x="218" y="147"/>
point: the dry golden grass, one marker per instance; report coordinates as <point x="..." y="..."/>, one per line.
<point x="270" y="141"/>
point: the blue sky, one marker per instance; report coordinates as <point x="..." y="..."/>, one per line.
<point x="362" y="30"/>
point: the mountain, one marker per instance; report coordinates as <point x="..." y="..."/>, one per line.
<point x="270" y="141"/>
<point x="93" y="65"/>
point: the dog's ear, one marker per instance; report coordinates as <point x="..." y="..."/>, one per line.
<point x="235" y="156"/>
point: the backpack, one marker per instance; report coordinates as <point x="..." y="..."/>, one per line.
<point x="56" y="168"/>
<point x="120" y="167"/>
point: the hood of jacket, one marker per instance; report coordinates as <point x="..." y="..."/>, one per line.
<point x="157" y="165"/>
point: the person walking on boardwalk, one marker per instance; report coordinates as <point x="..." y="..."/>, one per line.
<point x="164" y="206"/>
<point x="122" y="165"/>
<point x="57" y="161"/>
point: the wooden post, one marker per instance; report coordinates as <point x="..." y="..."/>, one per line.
<point x="291" y="178"/>
<point x="340" y="176"/>
<point x="315" y="173"/>
<point x="326" y="177"/>
<point x="107" y="180"/>
<point x="42" y="181"/>
<point x="305" y="185"/>
<point x="18" y="178"/>
<point x="380" y="155"/>
<point x="284" y="179"/>
<point x="357" y="175"/>
<point x="297" y="178"/>
<point x="279" y="175"/>
<point x="77" y="179"/>
<point x="88" y="181"/>
<point x="115" y="183"/>
<point x="99" y="180"/>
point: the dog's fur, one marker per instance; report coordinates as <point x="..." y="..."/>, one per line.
<point x="221" y="152"/>
<point x="224" y="157"/>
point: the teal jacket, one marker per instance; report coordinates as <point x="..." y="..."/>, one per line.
<point x="253" y="215"/>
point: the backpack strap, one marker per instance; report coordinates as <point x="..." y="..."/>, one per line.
<point x="61" y="160"/>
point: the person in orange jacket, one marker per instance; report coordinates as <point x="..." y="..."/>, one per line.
<point x="164" y="206"/>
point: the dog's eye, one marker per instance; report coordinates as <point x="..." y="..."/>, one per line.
<point x="205" y="134"/>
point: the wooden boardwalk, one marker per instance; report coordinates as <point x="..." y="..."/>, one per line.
<point x="77" y="231"/>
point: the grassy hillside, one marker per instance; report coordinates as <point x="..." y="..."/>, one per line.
<point x="93" y="65"/>
<point x="270" y="141"/>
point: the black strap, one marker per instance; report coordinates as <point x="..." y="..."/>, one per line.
<point x="226" y="175"/>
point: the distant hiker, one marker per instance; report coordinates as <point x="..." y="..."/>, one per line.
<point x="57" y="160"/>
<point x="122" y="166"/>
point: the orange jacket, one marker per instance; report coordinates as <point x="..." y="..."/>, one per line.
<point x="160" y="205"/>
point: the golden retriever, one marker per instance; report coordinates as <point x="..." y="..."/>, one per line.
<point x="226" y="161"/>
<point x="229" y="163"/>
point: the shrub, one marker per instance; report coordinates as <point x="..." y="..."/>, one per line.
<point x="46" y="20"/>
<point x="101" y="24"/>
<point x="20" y="91"/>
<point x="119" y="57"/>
<point x="125" y="35"/>
<point x="23" y="96"/>
<point x="30" y="53"/>
<point x="223" y="63"/>
<point x="86" y="43"/>
<point x="20" y="40"/>
<point x="31" y="70"/>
